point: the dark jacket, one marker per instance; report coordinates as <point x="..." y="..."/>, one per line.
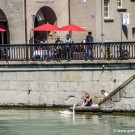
<point x="89" y="39"/>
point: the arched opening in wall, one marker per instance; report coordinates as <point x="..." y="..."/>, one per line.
<point x="43" y="16"/>
<point x="4" y="36"/>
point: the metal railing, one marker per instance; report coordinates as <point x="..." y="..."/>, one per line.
<point x="74" y="51"/>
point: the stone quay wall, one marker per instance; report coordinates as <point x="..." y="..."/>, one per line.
<point x="60" y="83"/>
<point x="121" y="99"/>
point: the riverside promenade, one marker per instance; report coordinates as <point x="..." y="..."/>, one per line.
<point x="41" y="76"/>
<point x="59" y="84"/>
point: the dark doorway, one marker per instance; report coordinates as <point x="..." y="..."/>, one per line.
<point x="4" y="36"/>
<point x="44" y="15"/>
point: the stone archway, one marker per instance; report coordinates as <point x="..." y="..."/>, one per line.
<point x="45" y="15"/>
<point x="4" y="23"/>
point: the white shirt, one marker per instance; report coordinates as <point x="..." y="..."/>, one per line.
<point x="67" y="40"/>
<point x="106" y="94"/>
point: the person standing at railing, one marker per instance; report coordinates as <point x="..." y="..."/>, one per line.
<point x="68" y="39"/>
<point x="67" y="51"/>
<point x="89" y="48"/>
<point x="89" y="38"/>
<point x="58" y="48"/>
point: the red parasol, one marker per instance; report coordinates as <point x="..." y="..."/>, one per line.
<point x="2" y="30"/>
<point x="46" y="27"/>
<point x="72" y="27"/>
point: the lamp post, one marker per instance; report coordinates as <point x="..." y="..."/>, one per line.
<point x="33" y="21"/>
<point x="102" y="30"/>
<point x="25" y="17"/>
<point x="69" y="12"/>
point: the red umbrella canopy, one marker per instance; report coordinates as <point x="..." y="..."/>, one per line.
<point x="2" y="30"/>
<point x="46" y="27"/>
<point x="72" y="27"/>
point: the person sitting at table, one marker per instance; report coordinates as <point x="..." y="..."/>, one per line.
<point x="37" y="40"/>
<point x="42" y="49"/>
<point x="44" y="42"/>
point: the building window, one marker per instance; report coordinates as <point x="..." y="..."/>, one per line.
<point x="106" y="8"/>
<point x="133" y="33"/>
<point x="119" y="3"/>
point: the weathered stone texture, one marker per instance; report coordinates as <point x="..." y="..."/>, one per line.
<point x="14" y="11"/>
<point x="122" y="100"/>
<point x="57" y="87"/>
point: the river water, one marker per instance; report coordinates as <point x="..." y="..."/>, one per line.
<point x="50" y="122"/>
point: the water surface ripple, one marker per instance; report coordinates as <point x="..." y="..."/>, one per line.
<point x="49" y="122"/>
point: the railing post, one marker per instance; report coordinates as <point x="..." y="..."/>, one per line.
<point x="27" y="58"/>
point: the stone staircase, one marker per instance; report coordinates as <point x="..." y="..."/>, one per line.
<point x="122" y="99"/>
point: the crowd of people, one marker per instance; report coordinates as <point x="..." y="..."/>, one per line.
<point x="67" y="39"/>
<point x="67" y="50"/>
<point x="87" y="99"/>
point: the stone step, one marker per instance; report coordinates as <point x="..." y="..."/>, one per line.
<point x="86" y="109"/>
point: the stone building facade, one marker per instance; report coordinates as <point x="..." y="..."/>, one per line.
<point x="103" y="17"/>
